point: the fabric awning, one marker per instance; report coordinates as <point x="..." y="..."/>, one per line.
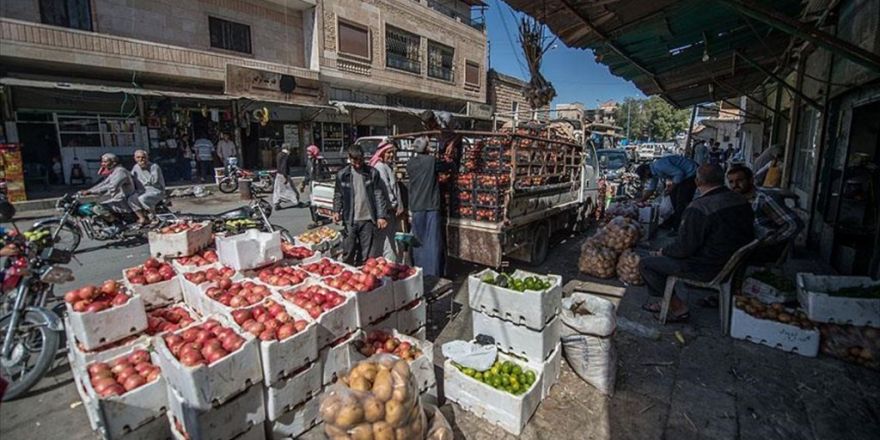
<point x="379" y="107"/>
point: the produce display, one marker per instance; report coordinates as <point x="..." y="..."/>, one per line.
<point x="151" y="272"/>
<point x="296" y="252"/>
<point x="268" y="321"/>
<point x="203" y="344"/>
<point x="859" y="345"/>
<point x="282" y="276"/>
<point x="380" y="267"/>
<point x="599" y="253"/>
<point x="377" y="399"/>
<point x="314" y="299"/>
<point x="506" y="376"/>
<point x="122" y="374"/>
<point x="774" y="312"/>
<point x="237" y="294"/>
<point x="318" y="235"/>
<point x="181" y="227"/>
<point x="203" y="258"/>
<point x="349" y="281"/>
<point x="168" y="319"/>
<point x="380" y="341"/>
<point x="209" y="275"/>
<point x="90" y="298"/>
<point x="628" y="268"/>
<point x="519" y="284"/>
<point x="597" y="260"/>
<point x="621" y="233"/>
<point x="779" y="282"/>
<point x="324" y="267"/>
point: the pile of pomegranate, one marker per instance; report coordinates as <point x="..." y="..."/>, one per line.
<point x="349" y="281"/>
<point x="282" y="276"/>
<point x="314" y="299"/>
<point x="269" y="321"/>
<point x="238" y="294"/>
<point x="379" y="341"/>
<point x="181" y="227"/>
<point x="167" y="319"/>
<point x="296" y="252"/>
<point x="153" y="271"/>
<point x="94" y="299"/>
<point x="203" y="258"/>
<point x="380" y="267"/>
<point x="122" y="374"/>
<point x="209" y="275"/>
<point x="324" y="268"/>
<point x="203" y="344"/>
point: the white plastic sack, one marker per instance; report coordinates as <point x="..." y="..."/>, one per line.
<point x="593" y="359"/>
<point x="468" y="354"/>
<point x="665" y="209"/>
<point x="597" y="317"/>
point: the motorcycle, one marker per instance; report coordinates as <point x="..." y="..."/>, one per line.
<point x="261" y="181"/>
<point x="31" y="332"/>
<point x="252" y="216"/>
<point x="79" y="217"/>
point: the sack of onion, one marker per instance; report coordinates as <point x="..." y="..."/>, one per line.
<point x="628" y="268"/>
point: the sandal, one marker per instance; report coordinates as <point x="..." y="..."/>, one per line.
<point x="672" y="319"/>
<point x="709" y="302"/>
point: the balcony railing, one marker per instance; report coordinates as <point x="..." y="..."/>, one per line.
<point x="440" y="72"/>
<point x="401" y="62"/>
<point x="476" y="23"/>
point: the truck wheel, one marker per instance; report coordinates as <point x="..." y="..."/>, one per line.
<point x="540" y="245"/>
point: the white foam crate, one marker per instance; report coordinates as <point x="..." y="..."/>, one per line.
<point x="97" y="329"/>
<point x="337" y="359"/>
<point x="549" y="369"/>
<point x="187" y="268"/>
<point x="157" y="428"/>
<point x="88" y="405"/>
<point x="422" y="367"/>
<point x="180" y="244"/>
<point x="388" y="321"/>
<point x="257" y="432"/>
<point x="220" y="422"/>
<point x="774" y="334"/>
<point x="280" y="359"/>
<point x="192" y="313"/>
<point x="409" y="289"/>
<point x="822" y="307"/>
<point x="80" y="358"/>
<point x="205" y="385"/>
<point x="119" y="415"/>
<point x="510" y="412"/>
<point x="412" y="317"/>
<point x="206" y="305"/>
<point x="250" y="249"/>
<point x="518" y="339"/>
<point x="765" y="292"/>
<point x="322" y="246"/>
<point x="531" y="308"/>
<point x="287" y="393"/>
<point x="156" y="294"/>
<point x="307" y="260"/>
<point x="297" y="421"/>
<point x="376" y="303"/>
<point x="334" y="323"/>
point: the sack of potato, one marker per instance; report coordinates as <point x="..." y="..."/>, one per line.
<point x="377" y="399"/>
<point x="621" y="233"/>
<point x="438" y="427"/>
<point x="625" y="209"/>
<point x="628" y="268"/>
<point x="597" y="260"/>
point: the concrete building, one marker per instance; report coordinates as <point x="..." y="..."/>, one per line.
<point x="505" y="95"/>
<point x="574" y="110"/>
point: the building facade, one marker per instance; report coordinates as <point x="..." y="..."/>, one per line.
<point x="505" y="96"/>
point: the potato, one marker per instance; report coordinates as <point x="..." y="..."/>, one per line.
<point x="394" y="412"/>
<point x="334" y="432"/>
<point x="382" y="431"/>
<point x="401" y="368"/>
<point x="382" y="385"/>
<point x="387" y="362"/>
<point x="329" y="407"/>
<point x="374" y="409"/>
<point x="360" y="383"/>
<point x="417" y="421"/>
<point x="404" y="432"/>
<point x="401" y="392"/>
<point x="349" y="415"/>
<point x="365" y="369"/>
<point x="364" y="431"/>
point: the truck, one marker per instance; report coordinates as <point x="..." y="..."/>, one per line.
<point x="511" y="191"/>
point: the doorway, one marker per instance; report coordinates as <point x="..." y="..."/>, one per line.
<point x="39" y="145"/>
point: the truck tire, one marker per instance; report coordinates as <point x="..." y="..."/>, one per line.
<point x="540" y="244"/>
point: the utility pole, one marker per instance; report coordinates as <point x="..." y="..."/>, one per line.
<point x="628" y="118"/>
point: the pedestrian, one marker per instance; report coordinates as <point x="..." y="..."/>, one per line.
<point x="681" y="171"/>
<point x="187" y="158"/>
<point x="383" y="161"/>
<point x="716" y="224"/>
<point x="57" y="171"/>
<point x="284" y="189"/>
<point x="700" y="152"/>
<point x="424" y="204"/>
<point x="226" y="149"/>
<point x="204" y="150"/>
<point x="149" y="186"/>
<point x="714" y="154"/>
<point x="315" y="171"/>
<point x="359" y="203"/>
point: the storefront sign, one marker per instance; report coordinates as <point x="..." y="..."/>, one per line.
<point x="479" y="110"/>
<point x="291" y="135"/>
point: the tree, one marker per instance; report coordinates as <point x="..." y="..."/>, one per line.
<point x="652" y="118"/>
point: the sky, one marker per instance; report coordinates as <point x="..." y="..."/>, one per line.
<point x="573" y="72"/>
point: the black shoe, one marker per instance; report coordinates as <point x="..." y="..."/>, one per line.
<point x="278" y="207"/>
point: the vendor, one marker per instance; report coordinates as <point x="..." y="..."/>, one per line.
<point x="681" y="171"/>
<point x="424" y="204"/>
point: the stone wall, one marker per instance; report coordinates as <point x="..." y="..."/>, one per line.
<point x="503" y="91"/>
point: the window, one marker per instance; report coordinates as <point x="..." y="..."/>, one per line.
<point x="440" y="61"/>
<point x="806" y="146"/>
<point x="354" y="40"/>
<point x="229" y="35"/>
<point x="402" y="50"/>
<point x="472" y="74"/>
<point x="76" y="14"/>
<point x="514" y="107"/>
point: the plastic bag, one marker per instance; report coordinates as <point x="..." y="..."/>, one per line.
<point x="597" y="260"/>
<point x="855" y="344"/>
<point x="621" y="233"/>
<point x="665" y="210"/>
<point x="593" y="359"/>
<point x="438" y="427"/>
<point x="628" y="268"/>
<point x="588" y="315"/>
<point x="378" y="398"/>
<point x="467" y="354"/>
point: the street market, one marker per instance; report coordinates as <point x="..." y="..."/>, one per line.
<point x="414" y="274"/>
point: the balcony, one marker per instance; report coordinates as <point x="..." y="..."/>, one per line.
<point x="477" y="23"/>
<point x="39" y="42"/>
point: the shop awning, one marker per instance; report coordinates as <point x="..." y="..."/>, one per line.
<point x="413" y="111"/>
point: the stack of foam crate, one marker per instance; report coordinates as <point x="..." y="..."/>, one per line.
<point x="402" y="307"/>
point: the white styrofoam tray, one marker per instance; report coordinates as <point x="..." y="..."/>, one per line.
<point x="206" y="305"/>
<point x="409" y="289"/>
<point x="533" y="309"/>
<point x="118" y="415"/>
<point x="510" y="412"/>
<point x="822" y="307"/>
<point x="88" y="405"/>
<point x="192" y="313"/>
<point x="285" y="394"/>
<point x="186" y="268"/>
<point x="549" y="369"/>
<point x="337" y="358"/>
<point x="206" y="385"/>
<point x="157" y="428"/>
<point x="774" y="334"/>
<point x="517" y="339"/>
<point x="385" y="322"/>
<point x="765" y="292"/>
<point x="219" y="422"/>
<point x="180" y="244"/>
<point x="96" y="329"/>
<point x="334" y="323"/>
<point x="422" y="367"/>
<point x="156" y="294"/>
<point x="250" y="249"/>
<point x="297" y="421"/>
<point x="80" y="358"/>
<point x="412" y="317"/>
<point x="376" y="303"/>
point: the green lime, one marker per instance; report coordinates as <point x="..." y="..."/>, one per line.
<point x="505" y="380"/>
<point x="488" y="279"/>
<point x="530" y="377"/>
<point x="516" y="370"/>
<point x="469" y="371"/>
<point x="514" y="388"/>
<point x="478" y="376"/>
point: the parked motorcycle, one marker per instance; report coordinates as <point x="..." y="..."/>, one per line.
<point x="78" y="217"/>
<point x="31" y="332"/>
<point x="261" y="181"/>
<point x="252" y="216"/>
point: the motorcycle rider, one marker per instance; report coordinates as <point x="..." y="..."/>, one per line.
<point x="118" y="187"/>
<point x="149" y="186"/>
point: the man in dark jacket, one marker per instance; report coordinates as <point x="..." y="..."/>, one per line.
<point x="714" y="226"/>
<point x="424" y="204"/>
<point x="359" y="202"/>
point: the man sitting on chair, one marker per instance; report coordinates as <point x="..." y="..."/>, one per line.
<point x="714" y="226"/>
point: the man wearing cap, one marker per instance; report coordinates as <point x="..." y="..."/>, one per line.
<point x="359" y="202"/>
<point x="424" y="204"/>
